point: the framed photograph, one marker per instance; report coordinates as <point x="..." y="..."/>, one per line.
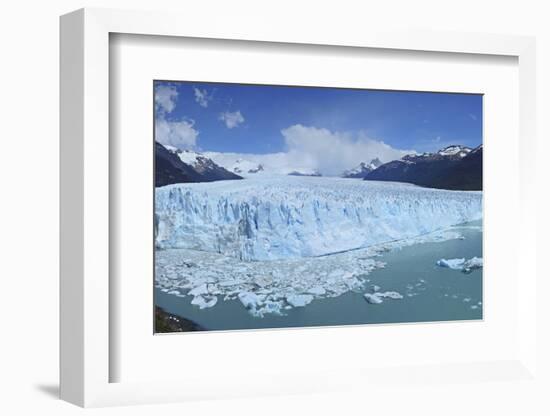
<point x="268" y="207"/>
<point x="302" y="218"/>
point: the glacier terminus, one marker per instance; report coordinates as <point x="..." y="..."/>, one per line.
<point x="274" y="243"/>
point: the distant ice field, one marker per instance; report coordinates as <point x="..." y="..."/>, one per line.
<point x="289" y="217"/>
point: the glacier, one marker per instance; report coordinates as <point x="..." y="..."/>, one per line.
<point x="290" y="217"/>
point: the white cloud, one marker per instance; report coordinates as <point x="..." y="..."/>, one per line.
<point x="165" y="98"/>
<point x="231" y="120"/>
<point x="181" y="134"/>
<point x="202" y="97"/>
<point x="313" y="149"/>
<point x="333" y="152"/>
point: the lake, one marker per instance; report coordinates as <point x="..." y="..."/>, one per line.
<point x="430" y="293"/>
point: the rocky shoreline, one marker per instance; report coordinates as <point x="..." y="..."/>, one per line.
<point x="168" y="322"/>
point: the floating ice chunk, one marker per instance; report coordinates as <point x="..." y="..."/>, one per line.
<point x="249" y="299"/>
<point x="472" y="264"/>
<point x="299" y="300"/>
<point x="199" y="290"/>
<point x="378" y="297"/>
<point x="466" y="300"/>
<point x="227" y="283"/>
<point x="391" y="295"/>
<point x="373" y="298"/>
<point x="317" y="290"/>
<point x="375" y="288"/>
<point x="474" y="307"/>
<point x="455" y="264"/>
<point x="270" y="307"/>
<point x="204" y="302"/>
<point x="263" y="281"/>
<point x="466" y="266"/>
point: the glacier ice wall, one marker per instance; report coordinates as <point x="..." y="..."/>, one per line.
<point x="288" y="217"/>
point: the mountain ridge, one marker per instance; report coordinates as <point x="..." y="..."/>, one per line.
<point x="454" y="167"/>
<point x="173" y="165"/>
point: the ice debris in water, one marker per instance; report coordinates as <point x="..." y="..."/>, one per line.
<point x="372" y="298"/>
<point x="377" y="297"/>
<point x="279" y="243"/>
<point x="466" y="266"/>
<point x="204" y="302"/>
<point x="299" y="300"/>
<point x="272" y="287"/>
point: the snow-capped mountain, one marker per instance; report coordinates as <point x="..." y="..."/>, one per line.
<point x="173" y="165"/>
<point x="252" y="165"/>
<point x="281" y="217"/>
<point x="455" y="150"/>
<point x="454" y="167"/>
<point x="245" y="166"/>
<point x="205" y="166"/>
<point x="362" y="169"/>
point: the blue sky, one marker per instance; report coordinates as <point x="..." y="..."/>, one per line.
<point x="262" y="119"/>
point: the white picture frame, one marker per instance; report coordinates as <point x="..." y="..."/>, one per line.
<point x="85" y="221"/>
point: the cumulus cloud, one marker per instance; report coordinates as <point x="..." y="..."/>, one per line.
<point x="165" y="98"/>
<point x="202" y="97"/>
<point x="310" y="149"/>
<point x="231" y="120"/>
<point x="181" y="134"/>
<point x="333" y="152"/>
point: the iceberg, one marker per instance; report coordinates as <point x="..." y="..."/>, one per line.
<point x="373" y="298"/>
<point x="472" y="264"/>
<point x="204" y="302"/>
<point x="390" y="295"/>
<point x="299" y="300"/>
<point x="455" y="264"/>
<point x="466" y="266"/>
<point x="249" y="300"/>
<point x="378" y="297"/>
<point x="284" y="217"/>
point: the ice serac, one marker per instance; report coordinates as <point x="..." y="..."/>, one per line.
<point x="289" y="217"/>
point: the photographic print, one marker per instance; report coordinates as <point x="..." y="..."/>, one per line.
<point x="290" y="206"/>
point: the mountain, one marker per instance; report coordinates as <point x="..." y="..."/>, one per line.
<point x="362" y="169"/>
<point x="251" y="165"/>
<point x="170" y="169"/>
<point x="205" y="166"/>
<point x="454" y="167"/>
<point x="176" y="166"/>
<point x="246" y="166"/>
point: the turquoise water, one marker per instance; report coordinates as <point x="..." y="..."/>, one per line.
<point x="431" y="293"/>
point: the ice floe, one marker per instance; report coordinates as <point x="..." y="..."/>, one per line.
<point x="466" y="266"/>
<point x="204" y="302"/>
<point x="372" y="298"/>
<point x="299" y="300"/>
<point x="272" y="287"/>
<point x="378" y="297"/>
